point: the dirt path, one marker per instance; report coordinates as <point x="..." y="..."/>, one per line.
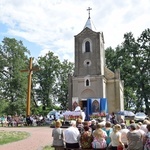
<point x="39" y="137"/>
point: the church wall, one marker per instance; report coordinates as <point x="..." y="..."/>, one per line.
<point x="113" y="95"/>
<point x="96" y="85"/>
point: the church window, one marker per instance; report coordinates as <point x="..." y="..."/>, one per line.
<point x="87" y="82"/>
<point x="87" y="46"/>
<point x="87" y="63"/>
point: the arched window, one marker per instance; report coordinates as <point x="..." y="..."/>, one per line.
<point x="87" y="82"/>
<point x="87" y="46"/>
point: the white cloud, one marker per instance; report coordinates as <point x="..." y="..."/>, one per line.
<point x="53" y="24"/>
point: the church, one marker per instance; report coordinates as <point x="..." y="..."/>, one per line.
<point x="93" y="86"/>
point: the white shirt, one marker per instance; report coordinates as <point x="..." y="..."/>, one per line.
<point x="114" y="138"/>
<point x="72" y="135"/>
<point x="124" y="135"/>
<point x="78" y="108"/>
<point x="143" y="127"/>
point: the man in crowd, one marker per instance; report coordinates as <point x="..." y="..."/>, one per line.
<point x="72" y="136"/>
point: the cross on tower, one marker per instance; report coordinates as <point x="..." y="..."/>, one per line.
<point x="89" y="11"/>
<point x="30" y="70"/>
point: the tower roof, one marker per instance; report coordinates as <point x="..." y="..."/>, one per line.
<point x="89" y="23"/>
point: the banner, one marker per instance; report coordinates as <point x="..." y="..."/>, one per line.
<point x="95" y="105"/>
<point x="75" y="102"/>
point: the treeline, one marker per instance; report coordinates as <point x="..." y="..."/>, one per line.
<point x="132" y="57"/>
<point x="50" y="82"/>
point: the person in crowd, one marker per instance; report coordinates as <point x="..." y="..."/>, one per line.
<point x="72" y="136"/>
<point x="108" y="117"/>
<point x="124" y="132"/>
<point x="147" y="139"/>
<point x="108" y="130"/>
<point x="86" y="138"/>
<point x="58" y="136"/>
<point x="28" y="120"/>
<point x="134" y="138"/>
<point x="9" y="119"/>
<point x="138" y="127"/>
<point x="80" y="125"/>
<point x="77" y="107"/>
<point x="16" y="118"/>
<point x="99" y="135"/>
<point x="113" y="119"/>
<point x="4" y="121"/>
<point x="130" y="122"/>
<point x="86" y="123"/>
<point x="93" y="124"/>
<point x="116" y="137"/>
<point x="144" y="125"/>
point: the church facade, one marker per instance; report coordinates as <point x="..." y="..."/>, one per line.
<point x="91" y="78"/>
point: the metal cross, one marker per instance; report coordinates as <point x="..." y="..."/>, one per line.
<point x="89" y="11"/>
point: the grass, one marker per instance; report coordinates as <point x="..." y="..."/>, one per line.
<point x="12" y="136"/>
<point x="48" y="148"/>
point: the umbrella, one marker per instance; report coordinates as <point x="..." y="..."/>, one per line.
<point x="126" y="113"/>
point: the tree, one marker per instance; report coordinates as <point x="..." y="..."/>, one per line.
<point x="13" y="84"/>
<point x="46" y="79"/>
<point x="132" y="58"/>
<point x="61" y="92"/>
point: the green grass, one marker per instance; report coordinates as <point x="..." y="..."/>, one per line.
<point x="12" y="136"/>
<point x="48" y="148"/>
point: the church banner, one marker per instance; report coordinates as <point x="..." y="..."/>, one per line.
<point x="95" y="105"/>
<point x="75" y="102"/>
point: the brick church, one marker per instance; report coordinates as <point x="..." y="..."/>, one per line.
<point x="92" y="82"/>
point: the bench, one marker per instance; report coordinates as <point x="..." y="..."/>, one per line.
<point x="64" y="148"/>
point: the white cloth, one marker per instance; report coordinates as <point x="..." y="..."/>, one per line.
<point x="114" y="138"/>
<point x="144" y="128"/>
<point x="124" y="135"/>
<point x="78" y="108"/>
<point x="72" y="135"/>
<point x="83" y="116"/>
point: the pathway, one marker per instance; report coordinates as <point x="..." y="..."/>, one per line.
<point x="39" y="137"/>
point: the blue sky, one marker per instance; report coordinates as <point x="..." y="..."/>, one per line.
<point x="50" y="25"/>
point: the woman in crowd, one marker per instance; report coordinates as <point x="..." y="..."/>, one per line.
<point x="80" y="125"/>
<point x="124" y="132"/>
<point x="99" y="135"/>
<point x="108" y="130"/>
<point x="86" y="138"/>
<point x="147" y="139"/>
<point x="58" y="136"/>
<point x="116" y="137"/>
<point x="134" y="138"/>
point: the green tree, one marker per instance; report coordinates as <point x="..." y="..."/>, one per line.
<point x="61" y="91"/>
<point x="46" y="79"/>
<point x="13" y="84"/>
<point x="132" y="58"/>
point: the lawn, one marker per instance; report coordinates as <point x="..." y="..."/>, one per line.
<point x="48" y="148"/>
<point x="12" y="136"/>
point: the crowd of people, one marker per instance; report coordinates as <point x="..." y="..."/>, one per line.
<point x="102" y="135"/>
<point x="21" y="120"/>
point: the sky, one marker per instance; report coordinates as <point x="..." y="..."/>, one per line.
<point x="50" y="25"/>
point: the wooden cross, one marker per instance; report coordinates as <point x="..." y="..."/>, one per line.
<point x="89" y="11"/>
<point x="30" y="70"/>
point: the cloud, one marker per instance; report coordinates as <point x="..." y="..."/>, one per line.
<point x="53" y="24"/>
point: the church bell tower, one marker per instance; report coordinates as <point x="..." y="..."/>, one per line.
<point x="91" y="78"/>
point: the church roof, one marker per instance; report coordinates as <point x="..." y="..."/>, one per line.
<point x="89" y="24"/>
